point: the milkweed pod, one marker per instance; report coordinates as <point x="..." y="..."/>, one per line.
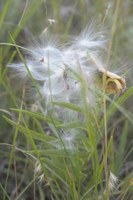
<point x="114" y="84"/>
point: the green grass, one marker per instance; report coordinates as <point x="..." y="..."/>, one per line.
<point x="102" y="143"/>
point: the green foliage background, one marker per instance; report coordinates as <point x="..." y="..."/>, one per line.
<point x="24" y="132"/>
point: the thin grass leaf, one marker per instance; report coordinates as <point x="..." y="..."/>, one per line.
<point x="69" y="106"/>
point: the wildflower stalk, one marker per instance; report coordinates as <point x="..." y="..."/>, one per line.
<point x="15" y="174"/>
<point x="105" y="140"/>
<point x="104" y="100"/>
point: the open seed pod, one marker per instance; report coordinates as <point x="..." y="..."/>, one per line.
<point x="114" y="84"/>
<point x="110" y="82"/>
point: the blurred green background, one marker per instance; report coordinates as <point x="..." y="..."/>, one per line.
<point x="24" y="19"/>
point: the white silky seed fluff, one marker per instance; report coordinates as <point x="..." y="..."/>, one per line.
<point x="61" y="72"/>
